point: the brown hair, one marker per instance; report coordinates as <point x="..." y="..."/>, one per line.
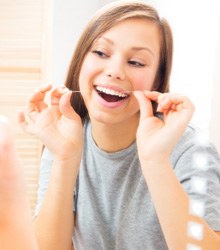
<point x="104" y="20"/>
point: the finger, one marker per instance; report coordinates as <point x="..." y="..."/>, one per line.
<point x="153" y="95"/>
<point x="22" y="121"/>
<point x="174" y="102"/>
<point x="57" y="94"/>
<point x="183" y="103"/>
<point x="66" y="107"/>
<point x="26" y="124"/>
<point x="176" y="99"/>
<point x="37" y="101"/>
<point x="145" y="104"/>
<point x="20" y="116"/>
<point x="165" y="102"/>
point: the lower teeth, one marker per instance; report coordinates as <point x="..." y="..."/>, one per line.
<point x="110" y="98"/>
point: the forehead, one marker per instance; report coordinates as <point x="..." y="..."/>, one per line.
<point x="134" y="32"/>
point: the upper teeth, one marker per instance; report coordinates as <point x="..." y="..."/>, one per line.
<point x="111" y="91"/>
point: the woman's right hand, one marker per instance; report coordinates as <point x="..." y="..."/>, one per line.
<point x="56" y="124"/>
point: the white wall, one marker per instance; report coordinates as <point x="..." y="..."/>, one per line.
<point x="70" y="17"/>
<point x="215" y="114"/>
<point x="194" y="25"/>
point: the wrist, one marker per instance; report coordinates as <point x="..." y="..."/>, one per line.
<point x="67" y="165"/>
<point x="67" y="160"/>
<point x="68" y="155"/>
<point x="156" y="159"/>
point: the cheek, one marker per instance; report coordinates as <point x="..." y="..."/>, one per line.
<point x="82" y="79"/>
<point x="86" y="73"/>
<point x="143" y="82"/>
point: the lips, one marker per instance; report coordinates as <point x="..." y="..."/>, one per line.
<point x="110" y="94"/>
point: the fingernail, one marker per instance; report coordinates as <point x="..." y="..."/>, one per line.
<point x="63" y="89"/>
<point x="159" y="108"/>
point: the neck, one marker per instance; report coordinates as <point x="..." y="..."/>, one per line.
<point x="114" y="137"/>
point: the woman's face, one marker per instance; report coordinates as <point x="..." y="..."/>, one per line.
<point x="123" y="59"/>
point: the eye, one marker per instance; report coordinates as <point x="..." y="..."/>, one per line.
<point x="100" y="53"/>
<point x="136" y="63"/>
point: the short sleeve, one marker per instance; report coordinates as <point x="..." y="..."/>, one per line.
<point x="197" y="167"/>
<point x="44" y="176"/>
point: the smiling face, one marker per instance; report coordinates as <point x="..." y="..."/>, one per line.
<point x="123" y="59"/>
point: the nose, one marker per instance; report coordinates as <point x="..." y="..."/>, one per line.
<point x="115" y="70"/>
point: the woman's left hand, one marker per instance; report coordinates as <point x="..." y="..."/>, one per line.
<point x="157" y="137"/>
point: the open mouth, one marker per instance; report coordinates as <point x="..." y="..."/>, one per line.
<point x="110" y="95"/>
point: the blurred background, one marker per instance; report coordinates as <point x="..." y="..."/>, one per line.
<point x="37" y="40"/>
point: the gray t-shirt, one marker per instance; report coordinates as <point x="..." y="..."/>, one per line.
<point x="114" y="210"/>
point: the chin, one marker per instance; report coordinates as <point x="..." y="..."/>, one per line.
<point x="113" y="119"/>
<point x="103" y="118"/>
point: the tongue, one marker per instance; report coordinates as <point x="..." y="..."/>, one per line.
<point x="110" y="98"/>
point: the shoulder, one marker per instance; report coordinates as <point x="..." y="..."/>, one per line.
<point x="194" y="142"/>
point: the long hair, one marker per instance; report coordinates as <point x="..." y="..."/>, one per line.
<point x="104" y="20"/>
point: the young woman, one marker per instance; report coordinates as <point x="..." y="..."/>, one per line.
<point x="16" y="231"/>
<point x="117" y="169"/>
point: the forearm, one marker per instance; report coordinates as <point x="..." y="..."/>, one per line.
<point x="16" y="230"/>
<point x="172" y="206"/>
<point x="55" y="222"/>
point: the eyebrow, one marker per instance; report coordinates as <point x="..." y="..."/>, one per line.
<point x="133" y="48"/>
<point x="143" y="48"/>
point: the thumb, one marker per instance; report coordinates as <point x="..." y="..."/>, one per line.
<point x="66" y="107"/>
<point x="146" y="109"/>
